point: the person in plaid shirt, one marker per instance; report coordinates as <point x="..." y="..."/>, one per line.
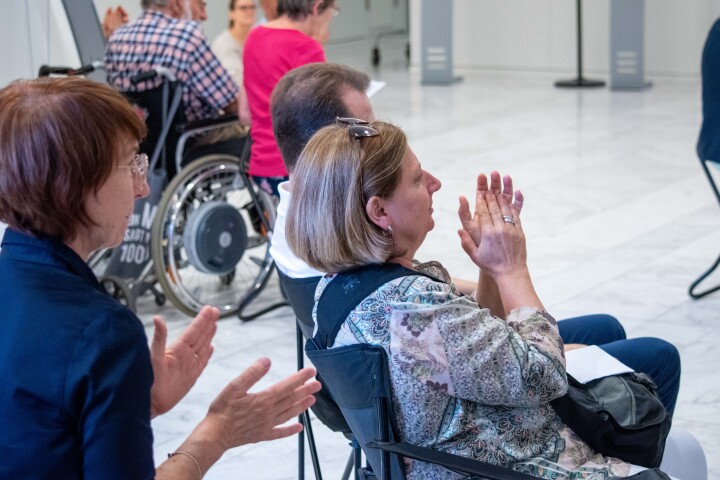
<point x="161" y="36"/>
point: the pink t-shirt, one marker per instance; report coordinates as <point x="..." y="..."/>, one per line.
<point x="268" y="54"/>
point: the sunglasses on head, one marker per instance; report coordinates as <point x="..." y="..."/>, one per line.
<point x="357" y="128"/>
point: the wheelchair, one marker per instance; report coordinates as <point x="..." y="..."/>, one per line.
<point x="209" y="228"/>
<point x="210" y="235"/>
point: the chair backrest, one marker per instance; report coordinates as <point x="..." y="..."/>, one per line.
<point x="300" y="294"/>
<point x="708" y="146"/>
<point x="357" y="377"/>
<point x="155" y="106"/>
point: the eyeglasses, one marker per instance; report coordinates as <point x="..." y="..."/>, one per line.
<point x="357" y="128"/>
<point x="139" y="168"/>
<point x="245" y="8"/>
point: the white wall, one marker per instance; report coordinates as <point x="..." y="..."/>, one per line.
<point x="36" y="32"/>
<point x="523" y="35"/>
<point x="33" y="33"/>
<point x="539" y="35"/>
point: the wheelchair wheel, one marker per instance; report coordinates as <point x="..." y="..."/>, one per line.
<point x="119" y="290"/>
<point x="98" y="261"/>
<point x="211" y="236"/>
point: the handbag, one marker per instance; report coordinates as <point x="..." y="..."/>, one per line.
<point x="650" y="474"/>
<point x="619" y="416"/>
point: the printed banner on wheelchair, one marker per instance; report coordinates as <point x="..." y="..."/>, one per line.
<point x="132" y="256"/>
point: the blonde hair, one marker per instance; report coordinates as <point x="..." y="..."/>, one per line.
<point x="334" y="178"/>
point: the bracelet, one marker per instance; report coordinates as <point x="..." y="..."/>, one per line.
<point x="180" y="452"/>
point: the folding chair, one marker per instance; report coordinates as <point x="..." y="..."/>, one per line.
<point x="358" y="379"/>
<point x="708" y="146"/>
<point x="692" y="291"/>
<point x="300" y="293"/>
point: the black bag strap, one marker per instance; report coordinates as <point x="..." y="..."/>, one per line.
<point x="346" y="291"/>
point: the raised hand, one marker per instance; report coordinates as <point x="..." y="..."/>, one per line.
<point x="113" y="19"/>
<point x="506" y="189"/>
<point x="493" y="236"/>
<point x="237" y="417"/>
<point x="177" y="367"/>
<point x="244" y="417"/>
<point x="503" y="247"/>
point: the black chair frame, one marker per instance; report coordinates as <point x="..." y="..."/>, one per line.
<point x="357" y="377"/>
<point x="692" y="291"/>
<point x="298" y="293"/>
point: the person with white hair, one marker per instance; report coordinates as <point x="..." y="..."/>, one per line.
<point x="168" y="34"/>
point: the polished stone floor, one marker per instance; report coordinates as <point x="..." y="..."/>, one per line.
<point x="619" y="219"/>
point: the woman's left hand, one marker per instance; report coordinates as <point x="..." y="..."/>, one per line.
<point x="501" y="186"/>
<point x="177" y="367"/>
<point x="470" y="235"/>
<point x="493" y="236"/>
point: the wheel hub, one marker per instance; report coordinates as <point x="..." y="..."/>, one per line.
<point x="215" y="238"/>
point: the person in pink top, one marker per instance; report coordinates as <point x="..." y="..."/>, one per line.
<point x="293" y="39"/>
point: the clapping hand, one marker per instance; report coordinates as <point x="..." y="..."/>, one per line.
<point x="177" y="367"/>
<point x="244" y="417"/>
<point x="493" y="237"/>
<point x="113" y="19"/>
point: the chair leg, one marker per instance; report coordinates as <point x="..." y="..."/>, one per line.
<point x="357" y="458"/>
<point x="311" y="446"/>
<point x="691" y="290"/>
<point x="349" y="465"/>
<point x="304" y="419"/>
<point x="301" y="451"/>
<point x="696" y="295"/>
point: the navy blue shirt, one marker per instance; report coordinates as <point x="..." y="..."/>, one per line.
<point x="75" y="371"/>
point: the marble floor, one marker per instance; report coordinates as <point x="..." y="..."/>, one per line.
<point x="619" y="219"/>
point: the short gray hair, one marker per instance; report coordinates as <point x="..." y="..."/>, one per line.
<point x="299" y="9"/>
<point x="327" y="225"/>
<point x="154" y="3"/>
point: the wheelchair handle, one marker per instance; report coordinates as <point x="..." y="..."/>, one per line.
<point x="47" y="70"/>
<point x="157" y="71"/>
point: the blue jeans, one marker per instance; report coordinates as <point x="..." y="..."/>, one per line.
<point x="651" y="356"/>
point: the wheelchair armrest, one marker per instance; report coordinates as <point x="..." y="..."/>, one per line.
<point x="452" y="462"/>
<point x="189" y="129"/>
<point x="208" y="123"/>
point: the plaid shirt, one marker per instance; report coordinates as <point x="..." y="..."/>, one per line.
<point x="156" y="39"/>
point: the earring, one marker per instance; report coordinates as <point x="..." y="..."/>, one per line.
<point x="389" y="231"/>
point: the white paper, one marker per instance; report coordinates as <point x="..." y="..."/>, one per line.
<point x="592" y="362"/>
<point x="374" y="87"/>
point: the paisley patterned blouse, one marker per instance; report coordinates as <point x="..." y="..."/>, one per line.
<point x="471" y="384"/>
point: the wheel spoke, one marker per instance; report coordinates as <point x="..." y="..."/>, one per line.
<point x="185" y="274"/>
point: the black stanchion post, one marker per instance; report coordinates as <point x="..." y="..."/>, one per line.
<point x="579" y="81"/>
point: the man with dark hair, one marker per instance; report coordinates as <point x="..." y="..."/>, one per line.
<point x="305" y="100"/>
<point x="299" y="107"/>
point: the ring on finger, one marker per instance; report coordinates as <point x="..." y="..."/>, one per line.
<point x="508" y="219"/>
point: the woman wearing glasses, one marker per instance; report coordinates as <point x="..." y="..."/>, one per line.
<point x="291" y="40"/>
<point x="79" y="382"/>
<point x="228" y="46"/>
<point x="472" y="381"/>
